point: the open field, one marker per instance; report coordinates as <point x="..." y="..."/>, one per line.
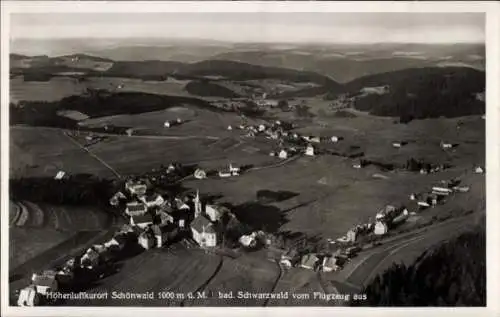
<point x="245" y="273"/>
<point x="157" y="271"/>
<point x="59" y="87"/>
<point x="327" y="185"/>
<point x="38" y="152"/>
<point x="197" y="122"/>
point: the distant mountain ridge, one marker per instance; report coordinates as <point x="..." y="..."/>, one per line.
<point x="410" y="93"/>
<point x="155" y="69"/>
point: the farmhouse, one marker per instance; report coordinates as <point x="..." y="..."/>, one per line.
<point x="380" y="228"/>
<point x="283" y="154"/>
<point x="152" y="200"/>
<point x="28" y="296"/>
<point x="479" y="170"/>
<point x="45" y="283"/>
<point x="309" y="150"/>
<point x="335" y="139"/>
<point x="203" y="232"/>
<point x="438" y="190"/>
<point x="60" y="175"/>
<point x="136" y="188"/>
<point x="231" y="171"/>
<point x="234" y="170"/>
<point x="446" y="145"/>
<point x="135" y="209"/>
<point x="309" y="261"/>
<point x="329" y="264"/>
<point x="141" y="221"/>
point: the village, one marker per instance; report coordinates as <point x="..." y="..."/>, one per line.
<point x="158" y="220"/>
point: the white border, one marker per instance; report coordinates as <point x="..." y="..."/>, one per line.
<point x="492" y="143"/>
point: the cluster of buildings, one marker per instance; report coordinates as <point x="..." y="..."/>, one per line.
<point x="171" y="123"/>
<point x="325" y="262"/>
<point x="154" y="221"/>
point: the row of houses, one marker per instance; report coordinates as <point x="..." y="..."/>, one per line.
<point x="286" y="153"/>
<point x="314" y="261"/>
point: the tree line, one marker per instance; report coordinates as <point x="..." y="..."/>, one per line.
<point x="454" y="274"/>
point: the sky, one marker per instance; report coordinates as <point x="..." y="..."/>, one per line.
<point x="324" y="27"/>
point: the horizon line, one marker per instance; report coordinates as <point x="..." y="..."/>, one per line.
<point x="242" y="42"/>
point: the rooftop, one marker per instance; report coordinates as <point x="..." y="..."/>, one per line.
<point x="142" y="218"/>
<point x="202" y="224"/>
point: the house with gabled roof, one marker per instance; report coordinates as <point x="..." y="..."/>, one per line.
<point x="309" y="261"/>
<point x="203" y="232"/>
<point x="45" y="283"/>
<point x="135" y="208"/>
<point x="152" y="200"/>
<point x="117" y="242"/>
<point x="163" y="234"/>
<point x="329" y="264"/>
<point x="142" y="221"/>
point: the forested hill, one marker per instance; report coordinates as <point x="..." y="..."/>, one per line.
<point x="420" y="93"/>
<point x="453" y="274"/>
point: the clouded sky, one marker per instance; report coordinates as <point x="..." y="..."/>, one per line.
<point x="257" y="27"/>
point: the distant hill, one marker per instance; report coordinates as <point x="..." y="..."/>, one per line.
<point x="344" y="63"/>
<point x="205" y="88"/>
<point x="420" y="93"/>
<point x="153" y="69"/>
<point x="95" y="104"/>
<point x="156" y="69"/>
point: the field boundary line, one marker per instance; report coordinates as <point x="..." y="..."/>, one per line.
<point x="92" y="154"/>
<point x="275" y="284"/>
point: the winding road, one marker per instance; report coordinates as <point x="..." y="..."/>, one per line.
<point x="368" y="264"/>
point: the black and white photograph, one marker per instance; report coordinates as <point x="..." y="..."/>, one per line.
<point x="245" y="159"/>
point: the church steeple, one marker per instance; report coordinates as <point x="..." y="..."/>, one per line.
<point x="197" y="204"/>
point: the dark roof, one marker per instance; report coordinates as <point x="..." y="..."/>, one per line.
<point x="136" y="207"/>
<point x="142" y="218"/>
<point x="202" y="224"/>
<point x="43" y="280"/>
<point x="151" y="198"/>
<point x="120" y="238"/>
